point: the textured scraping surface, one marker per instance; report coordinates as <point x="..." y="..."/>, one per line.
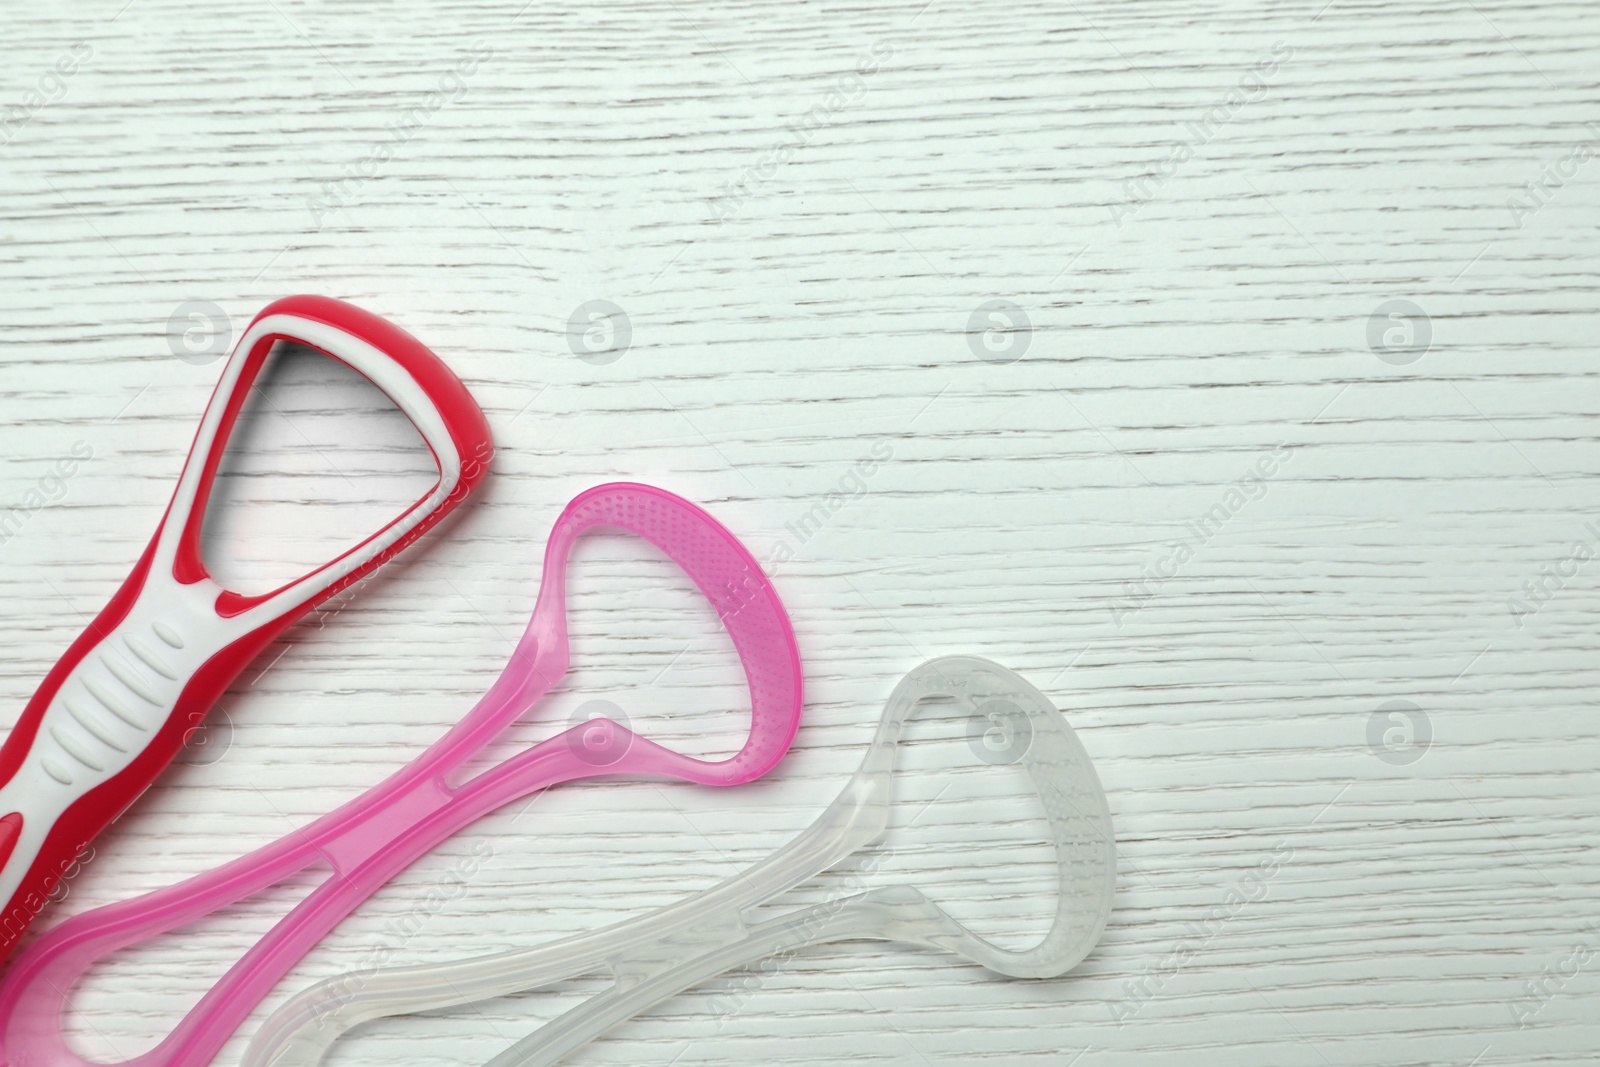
<point x="742" y="595"/>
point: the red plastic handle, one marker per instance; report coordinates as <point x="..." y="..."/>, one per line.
<point x="79" y="700"/>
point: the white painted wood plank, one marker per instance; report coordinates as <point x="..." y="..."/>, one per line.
<point x="1174" y="341"/>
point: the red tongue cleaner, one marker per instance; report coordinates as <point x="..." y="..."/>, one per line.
<point x="116" y="707"/>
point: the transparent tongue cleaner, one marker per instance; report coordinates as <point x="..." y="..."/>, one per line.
<point x="318" y="461"/>
<point x="967" y="826"/>
<point x="981" y="831"/>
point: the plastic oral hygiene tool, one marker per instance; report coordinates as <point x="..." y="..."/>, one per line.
<point x="372" y="838"/>
<point x="733" y="924"/>
<point x="120" y="703"/>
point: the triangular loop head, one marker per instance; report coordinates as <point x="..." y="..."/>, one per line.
<point x="1012" y="722"/>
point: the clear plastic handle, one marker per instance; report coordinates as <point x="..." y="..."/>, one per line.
<point x="658" y="955"/>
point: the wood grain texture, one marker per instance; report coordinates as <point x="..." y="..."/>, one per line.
<point x="800" y="248"/>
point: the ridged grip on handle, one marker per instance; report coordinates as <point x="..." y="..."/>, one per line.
<point x="118" y="706"/>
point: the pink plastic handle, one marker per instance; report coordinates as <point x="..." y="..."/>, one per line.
<point x="372" y="838"/>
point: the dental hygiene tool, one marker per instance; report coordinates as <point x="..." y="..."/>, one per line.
<point x="372" y="838"/>
<point x="120" y="703"/>
<point x="734" y="924"/>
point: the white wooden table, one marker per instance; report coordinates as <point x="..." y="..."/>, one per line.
<point x="1299" y="235"/>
